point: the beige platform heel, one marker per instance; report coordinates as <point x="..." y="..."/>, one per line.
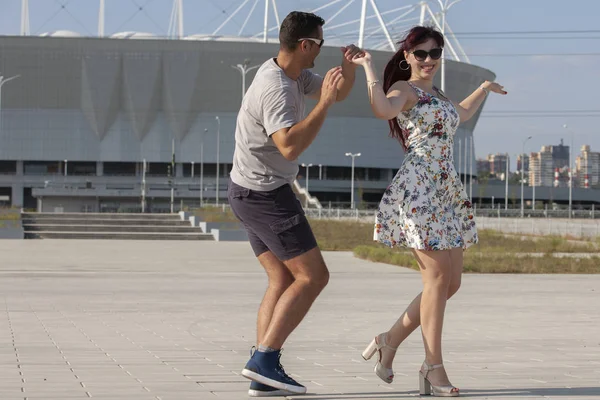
<point x="378" y="343"/>
<point x="426" y="388"/>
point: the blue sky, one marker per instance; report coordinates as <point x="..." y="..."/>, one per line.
<point x="564" y="79"/>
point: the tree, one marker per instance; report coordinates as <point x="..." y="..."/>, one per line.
<point x="483" y="177"/>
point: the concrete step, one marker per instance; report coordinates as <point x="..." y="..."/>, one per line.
<point x="104" y="216"/>
<point x="118" y="236"/>
<point x="113" y="222"/>
<point x="110" y="228"/>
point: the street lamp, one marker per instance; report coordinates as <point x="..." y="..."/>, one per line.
<point x="2" y="82"/>
<point x="173" y="175"/>
<point x="202" y="168"/>
<point x="570" y="171"/>
<point x="523" y="175"/>
<point x="445" y="7"/>
<point x="506" y="183"/>
<point x="218" y="143"/>
<point x="533" y="183"/>
<point x="306" y="197"/>
<point x="144" y="169"/>
<point x="244" y="69"/>
<point x="352" y="178"/>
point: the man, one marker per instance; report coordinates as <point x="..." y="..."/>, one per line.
<point x="271" y="133"/>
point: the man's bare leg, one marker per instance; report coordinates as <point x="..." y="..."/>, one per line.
<point x="280" y="280"/>
<point x="310" y="278"/>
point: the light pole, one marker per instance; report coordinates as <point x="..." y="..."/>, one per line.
<point x="458" y="166"/>
<point x="306" y="197"/>
<point x="471" y="158"/>
<point x="523" y="175"/>
<point x="202" y="168"/>
<point x="2" y="82"/>
<point x="506" y="183"/>
<point x="144" y="167"/>
<point x="172" y="176"/>
<point x="533" y="183"/>
<point x="570" y="171"/>
<point x="352" y="178"/>
<point x="465" y="160"/>
<point x="532" y="190"/>
<point x="244" y="69"/>
<point x="445" y="7"/>
<point x="218" y="144"/>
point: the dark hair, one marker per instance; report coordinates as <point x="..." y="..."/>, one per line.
<point x="298" y="25"/>
<point x="393" y="73"/>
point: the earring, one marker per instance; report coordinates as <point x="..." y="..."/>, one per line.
<point x="407" y="65"/>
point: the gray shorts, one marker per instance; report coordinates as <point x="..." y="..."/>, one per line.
<point x="274" y="220"/>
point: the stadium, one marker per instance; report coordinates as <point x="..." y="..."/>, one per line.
<point x="106" y="123"/>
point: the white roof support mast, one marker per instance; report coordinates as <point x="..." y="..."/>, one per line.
<point x="423" y="5"/>
<point x="383" y="26"/>
<point x="25" y="29"/>
<point x="233" y="14"/>
<point x="248" y="17"/>
<point x="363" y="21"/>
<point x="266" y="26"/>
<point x="176" y="22"/>
<point x="378" y="28"/>
<point x="444" y="6"/>
<point x="276" y="14"/>
<point x="101" y="24"/>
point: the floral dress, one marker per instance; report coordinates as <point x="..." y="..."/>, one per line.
<point x="425" y="206"/>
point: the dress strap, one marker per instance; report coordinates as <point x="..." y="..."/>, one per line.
<point x="412" y="85"/>
<point x="418" y="91"/>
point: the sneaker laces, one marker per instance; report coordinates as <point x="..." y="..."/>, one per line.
<point x="280" y="367"/>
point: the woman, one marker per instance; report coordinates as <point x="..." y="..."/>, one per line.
<point x="425" y="207"/>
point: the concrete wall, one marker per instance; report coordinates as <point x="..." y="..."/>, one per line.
<point x="12" y="233"/>
<point x="579" y="228"/>
<point x="68" y="204"/>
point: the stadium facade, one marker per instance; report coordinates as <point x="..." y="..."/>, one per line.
<point x="85" y="113"/>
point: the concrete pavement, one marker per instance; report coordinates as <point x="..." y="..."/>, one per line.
<point x="175" y="320"/>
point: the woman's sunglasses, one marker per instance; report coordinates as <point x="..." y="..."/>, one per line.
<point x="421" y="55"/>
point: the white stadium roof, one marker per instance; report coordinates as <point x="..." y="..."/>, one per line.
<point x="225" y="38"/>
<point x="347" y="21"/>
<point x="134" y="35"/>
<point x="61" y="33"/>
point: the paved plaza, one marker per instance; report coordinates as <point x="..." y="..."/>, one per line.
<point x="175" y="320"/>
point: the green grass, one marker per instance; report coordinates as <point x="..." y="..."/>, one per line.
<point x="215" y="214"/>
<point x="497" y="263"/>
<point x="346" y="235"/>
<point x="10" y="218"/>
<point x="333" y="235"/>
<point x="494" y="241"/>
<point x="495" y="253"/>
<point x="9" y="214"/>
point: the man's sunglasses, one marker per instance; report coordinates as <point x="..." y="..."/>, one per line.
<point x="317" y="41"/>
<point x="421" y="55"/>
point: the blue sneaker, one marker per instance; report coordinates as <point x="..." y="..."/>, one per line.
<point x="260" y="390"/>
<point x="265" y="368"/>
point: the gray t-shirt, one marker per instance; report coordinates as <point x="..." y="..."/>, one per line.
<point x="273" y="102"/>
